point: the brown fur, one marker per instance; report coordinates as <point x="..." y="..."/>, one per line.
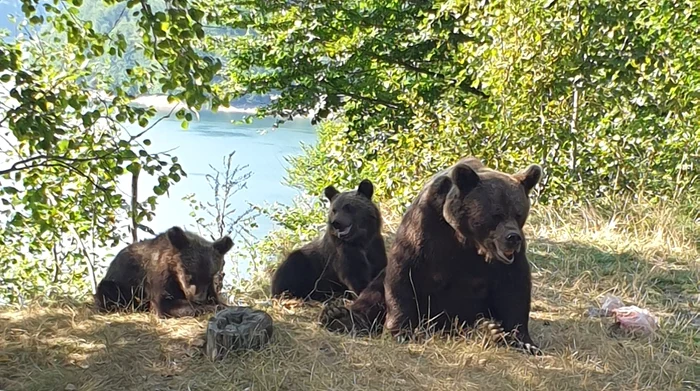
<point x="345" y="259"/>
<point x="459" y="255"/>
<point x="177" y="273"/>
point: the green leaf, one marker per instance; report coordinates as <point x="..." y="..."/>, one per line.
<point x="62" y="145"/>
<point x="195" y="14"/>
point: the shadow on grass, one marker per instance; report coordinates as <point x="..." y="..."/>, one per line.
<point x="52" y="348"/>
<point x="658" y="280"/>
<point x="70" y="347"/>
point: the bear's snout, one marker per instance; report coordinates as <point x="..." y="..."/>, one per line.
<point x="506" y="241"/>
<point x="513" y="240"/>
<point x="342" y="228"/>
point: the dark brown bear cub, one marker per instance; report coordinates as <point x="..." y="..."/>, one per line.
<point x="459" y="254"/>
<point x="174" y="274"/>
<point x="346" y="258"/>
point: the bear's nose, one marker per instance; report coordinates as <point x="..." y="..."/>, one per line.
<point x="337" y="225"/>
<point x="513" y="239"/>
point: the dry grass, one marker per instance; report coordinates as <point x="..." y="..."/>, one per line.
<point x="645" y="256"/>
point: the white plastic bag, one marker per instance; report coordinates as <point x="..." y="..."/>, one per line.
<point x="611" y="303"/>
<point x="633" y="318"/>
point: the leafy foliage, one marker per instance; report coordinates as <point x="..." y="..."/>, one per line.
<point x="603" y="95"/>
<point x="64" y="144"/>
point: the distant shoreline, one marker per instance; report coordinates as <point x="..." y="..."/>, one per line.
<point x="161" y="104"/>
<point x="158" y="102"/>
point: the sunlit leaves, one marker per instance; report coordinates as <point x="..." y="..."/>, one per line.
<point x="603" y="96"/>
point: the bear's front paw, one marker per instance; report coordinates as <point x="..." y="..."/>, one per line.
<point x="493" y="329"/>
<point x="202" y="309"/>
<point x="523" y="344"/>
<point x="336" y="317"/>
<point x="157" y="312"/>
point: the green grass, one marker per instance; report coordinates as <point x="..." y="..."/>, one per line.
<point x="646" y="255"/>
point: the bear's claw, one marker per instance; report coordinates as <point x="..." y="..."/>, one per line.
<point x="336" y="317"/>
<point x="528" y="348"/>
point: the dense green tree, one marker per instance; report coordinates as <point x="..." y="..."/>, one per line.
<point x="603" y="95"/>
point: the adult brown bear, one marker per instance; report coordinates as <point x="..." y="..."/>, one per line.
<point x="459" y="254"/>
<point x="175" y="274"/>
<point x="345" y="259"/>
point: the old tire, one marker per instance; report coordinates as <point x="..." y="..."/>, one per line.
<point x="237" y="328"/>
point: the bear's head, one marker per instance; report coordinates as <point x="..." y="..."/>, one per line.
<point x="352" y="216"/>
<point x="490" y="208"/>
<point x="203" y="260"/>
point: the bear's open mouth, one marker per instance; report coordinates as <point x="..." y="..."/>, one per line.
<point x="506" y="257"/>
<point x="343" y="232"/>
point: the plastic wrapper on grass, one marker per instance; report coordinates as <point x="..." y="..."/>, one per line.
<point x="635" y="319"/>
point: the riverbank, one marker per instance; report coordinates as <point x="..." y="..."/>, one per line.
<point x="161" y="104"/>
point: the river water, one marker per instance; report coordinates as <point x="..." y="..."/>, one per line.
<point x="206" y="142"/>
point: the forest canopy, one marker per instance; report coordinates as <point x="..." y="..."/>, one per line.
<point x="604" y="96"/>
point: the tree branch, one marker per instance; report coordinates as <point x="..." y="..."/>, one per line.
<point x="463" y="86"/>
<point x="16" y="166"/>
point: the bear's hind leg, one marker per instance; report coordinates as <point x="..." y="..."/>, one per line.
<point x="364" y="316"/>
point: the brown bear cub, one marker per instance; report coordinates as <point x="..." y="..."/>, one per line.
<point x="175" y="274"/>
<point x="346" y="258"/>
<point x="459" y="255"/>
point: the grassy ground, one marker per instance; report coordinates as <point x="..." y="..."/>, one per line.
<point x="647" y="256"/>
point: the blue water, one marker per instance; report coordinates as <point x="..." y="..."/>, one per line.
<point x="206" y="142"/>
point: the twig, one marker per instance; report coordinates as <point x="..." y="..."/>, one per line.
<point x="134" y="204"/>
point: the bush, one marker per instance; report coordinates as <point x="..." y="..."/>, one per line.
<point x="603" y="97"/>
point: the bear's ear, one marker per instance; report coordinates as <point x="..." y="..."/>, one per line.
<point x="178" y="238"/>
<point x="529" y="177"/>
<point x="441" y="186"/>
<point x="366" y="188"/>
<point x="330" y="192"/>
<point x="464" y="178"/>
<point x="223" y="245"/>
<point x="438" y="191"/>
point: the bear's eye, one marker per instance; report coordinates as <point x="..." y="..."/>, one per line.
<point x="348" y="208"/>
